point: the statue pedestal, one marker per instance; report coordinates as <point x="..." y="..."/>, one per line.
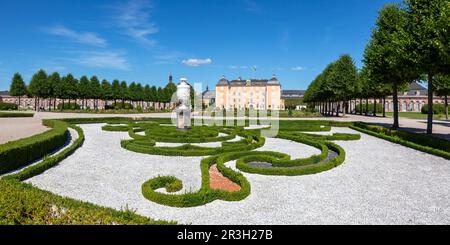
<point x="183" y="118"/>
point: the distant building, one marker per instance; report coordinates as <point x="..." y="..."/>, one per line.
<point x="259" y="94"/>
<point x="208" y="97"/>
<point x="292" y="94"/>
<point x="411" y="100"/>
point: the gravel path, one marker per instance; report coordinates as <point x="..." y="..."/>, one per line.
<point x="380" y="183"/>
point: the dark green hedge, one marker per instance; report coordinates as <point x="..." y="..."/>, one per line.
<point x="205" y="194"/>
<point x="8" y="106"/>
<point x="285" y="170"/>
<point x="16" y="154"/>
<point x="424" y="143"/>
<point x="67" y="106"/>
<point x="23" y="204"/>
<point x="16" y="114"/>
<point x="437" y="109"/>
<point x="49" y="162"/>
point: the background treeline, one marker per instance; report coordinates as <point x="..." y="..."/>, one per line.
<point x="410" y="42"/>
<point x="70" y="89"/>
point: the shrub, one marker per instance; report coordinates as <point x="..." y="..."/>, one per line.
<point x="7" y="114"/>
<point x="379" y="108"/>
<point x="19" y="153"/>
<point x="424" y="143"/>
<point x="67" y="106"/>
<point x="119" y="106"/>
<point x="23" y="204"/>
<point x="437" y="109"/>
<point x="8" y="106"/>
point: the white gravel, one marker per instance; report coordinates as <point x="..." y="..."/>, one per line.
<point x="380" y="183"/>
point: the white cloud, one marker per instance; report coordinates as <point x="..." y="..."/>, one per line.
<point x="298" y="68"/>
<point x="238" y="67"/>
<point x="89" y="38"/>
<point x="109" y="60"/>
<point x="197" y="62"/>
<point x="134" y="17"/>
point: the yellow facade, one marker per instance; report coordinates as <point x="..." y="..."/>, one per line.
<point x="249" y="94"/>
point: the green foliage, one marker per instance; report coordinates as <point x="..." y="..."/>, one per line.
<point x="67" y="106"/>
<point x="23" y="204"/>
<point x="16" y="154"/>
<point x="424" y="143"/>
<point x="379" y="108"/>
<point x="18" y="87"/>
<point x="291" y="104"/>
<point x="437" y="109"/>
<point x="8" y="106"/>
<point x="15" y="114"/>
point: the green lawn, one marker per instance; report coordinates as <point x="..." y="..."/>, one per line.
<point x="416" y="115"/>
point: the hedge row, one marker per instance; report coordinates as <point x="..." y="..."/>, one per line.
<point x="205" y="194"/>
<point x="49" y="162"/>
<point x="14" y="114"/>
<point x="274" y="157"/>
<point x="23" y="204"/>
<point x="424" y="143"/>
<point x="8" y="106"/>
<point x="16" y="154"/>
<point x="148" y="147"/>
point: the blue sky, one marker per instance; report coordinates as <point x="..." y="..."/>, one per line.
<point x="145" y="40"/>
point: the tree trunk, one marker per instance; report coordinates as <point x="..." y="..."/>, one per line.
<point x="374" y="107"/>
<point x="384" y="106"/>
<point x="446" y="106"/>
<point x="367" y="107"/>
<point x="430" y="104"/>
<point x="360" y="106"/>
<point x="395" y="100"/>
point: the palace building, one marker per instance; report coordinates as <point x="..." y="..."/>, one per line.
<point x="256" y="94"/>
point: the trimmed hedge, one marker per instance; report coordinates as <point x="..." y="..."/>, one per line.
<point x="67" y="106"/>
<point x="49" y="162"/>
<point x="23" y="204"/>
<point x="437" y="109"/>
<point x="205" y="194"/>
<point x="14" y="114"/>
<point x="16" y="154"/>
<point x="8" y="106"/>
<point x="277" y="161"/>
<point x="424" y="143"/>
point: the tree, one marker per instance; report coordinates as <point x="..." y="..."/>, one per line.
<point x="147" y="93"/>
<point x="139" y="93"/>
<point x="343" y="81"/>
<point x="429" y="28"/>
<point x="70" y="88"/>
<point x="18" y="87"/>
<point x="132" y="92"/>
<point x="37" y="83"/>
<point x="106" y="92"/>
<point x="124" y="95"/>
<point x="84" y="90"/>
<point x="95" y="90"/>
<point x="442" y="88"/>
<point x="387" y="57"/>
<point x="153" y="94"/>
<point x="57" y="88"/>
<point x="115" y="91"/>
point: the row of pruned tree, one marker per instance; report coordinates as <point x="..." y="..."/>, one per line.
<point x="68" y="88"/>
<point x="409" y="43"/>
